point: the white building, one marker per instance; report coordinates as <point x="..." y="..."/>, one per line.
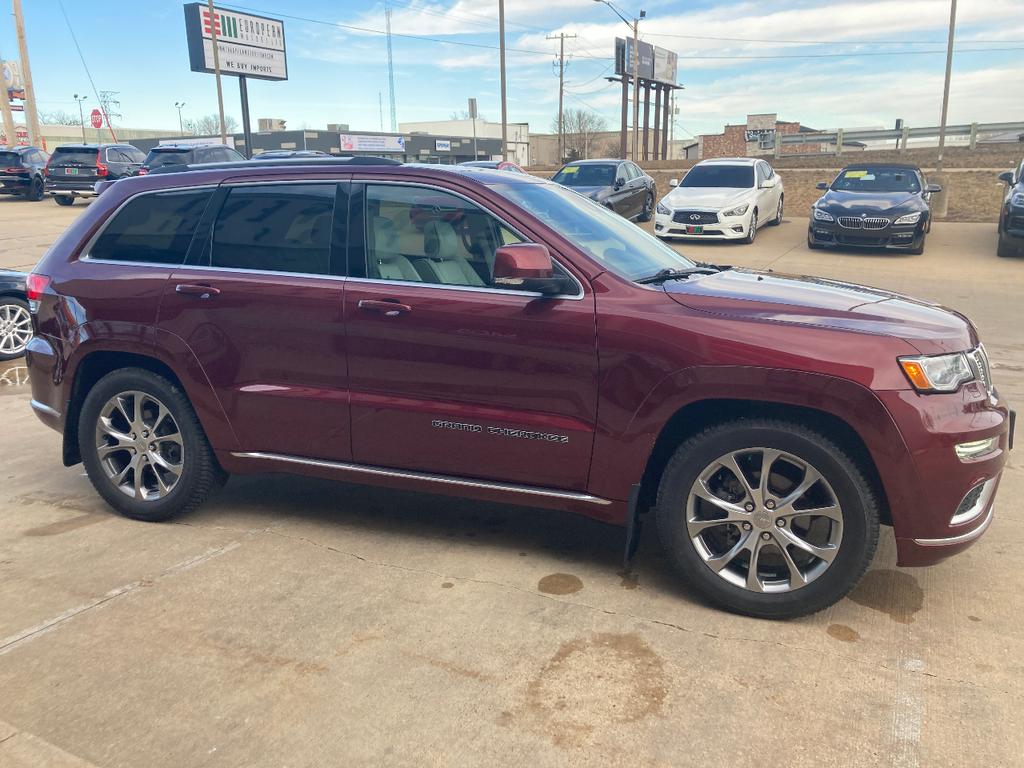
<point x="518" y="134"/>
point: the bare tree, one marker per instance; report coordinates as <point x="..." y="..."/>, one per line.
<point x="582" y="129"/>
<point x="59" y="117"/>
<point x="463" y="114"/>
<point x="209" y="125"/>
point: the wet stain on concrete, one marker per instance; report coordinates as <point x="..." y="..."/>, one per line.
<point x="891" y="592"/>
<point x="843" y="632"/>
<point x="591" y="682"/>
<point x="973" y="618"/>
<point x="559" y="584"/>
<point x="447" y="585"/>
<point x="65" y="526"/>
<point x="450" y="667"/>
<point x="250" y="659"/>
<point x="630" y="580"/>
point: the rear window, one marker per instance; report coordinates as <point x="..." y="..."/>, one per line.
<point x="153" y="228"/>
<point x="9" y="158"/>
<point x="159" y="158"/>
<point x="72" y="156"/>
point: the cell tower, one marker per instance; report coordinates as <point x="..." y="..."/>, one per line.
<point x="391" y="68"/>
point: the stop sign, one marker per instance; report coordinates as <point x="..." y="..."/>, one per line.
<point x="97" y="118"/>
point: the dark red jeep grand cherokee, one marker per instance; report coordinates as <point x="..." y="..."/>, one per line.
<point x="473" y="332"/>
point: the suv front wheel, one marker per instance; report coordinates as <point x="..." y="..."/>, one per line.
<point x="767" y="517"/>
<point x="143" y="447"/>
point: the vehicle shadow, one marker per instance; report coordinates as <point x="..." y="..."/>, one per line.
<point x="451" y="521"/>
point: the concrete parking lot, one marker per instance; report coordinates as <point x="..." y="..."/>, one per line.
<point x="305" y="623"/>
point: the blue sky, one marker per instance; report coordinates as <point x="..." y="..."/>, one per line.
<point x="735" y="58"/>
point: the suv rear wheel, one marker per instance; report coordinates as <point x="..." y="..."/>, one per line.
<point x="64" y="199"/>
<point x="143" y="447"/>
<point x="35" y="189"/>
<point x="767" y="517"/>
<point x="15" y="327"/>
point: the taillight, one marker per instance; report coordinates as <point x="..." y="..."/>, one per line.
<point x="143" y="171"/>
<point x="101" y="169"/>
<point x="16" y="170"/>
<point x="35" y="287"/>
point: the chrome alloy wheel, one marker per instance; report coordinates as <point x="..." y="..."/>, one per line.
<point x="139" y="446"/>
<point x="15" y="329"/>
<point x="764" y="520"/>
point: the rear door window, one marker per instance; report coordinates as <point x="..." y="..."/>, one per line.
<point x="276" y="228"/>
<point x="155" y="228"/>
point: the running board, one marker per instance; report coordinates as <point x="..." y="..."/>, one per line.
<point x="406" y="474"/>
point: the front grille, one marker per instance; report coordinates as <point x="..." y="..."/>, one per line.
<point x="695" y="217"/>
<point x="864" y="240"/>
<point x="979" y="361"/>
<point x="854" y="222"/>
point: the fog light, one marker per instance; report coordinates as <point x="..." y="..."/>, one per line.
<point x="976" y="448"/>
<point x="974" y="503"/>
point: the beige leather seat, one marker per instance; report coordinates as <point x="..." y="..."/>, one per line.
<point x="386" y="261"/>
<point x="444" y="264"/>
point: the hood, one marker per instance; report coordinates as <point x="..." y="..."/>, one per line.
<point x="706" y="197"/>
<point x="592" y="192"/>
<point x="870" y="202"/>
<point x="762" y="296"/>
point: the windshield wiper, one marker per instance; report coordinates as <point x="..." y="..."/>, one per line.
<point x="681" y="274"/>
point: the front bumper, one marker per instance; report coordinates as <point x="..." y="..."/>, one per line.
<point x="730" y="228"/>
<point x="832" y="234"/>
<point x="1014" y="223"/>
<point x="952" y="498"/>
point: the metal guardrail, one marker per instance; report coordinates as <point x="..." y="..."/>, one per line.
<point x="898" y="134"/>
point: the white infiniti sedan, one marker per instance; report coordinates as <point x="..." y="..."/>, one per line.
<point x="721" y="199"/>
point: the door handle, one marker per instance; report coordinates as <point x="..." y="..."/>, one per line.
<point x="390" y="307"/>
<point x="202" y="291"/>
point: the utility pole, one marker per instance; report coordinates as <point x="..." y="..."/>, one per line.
<point x="472" y="116"/>
<point x="391" y="69"/>
<point x="501" y="55"/>
<point x="216" y="72"/>
<point x="5" y="110"/>
<point x="35" y="137"/>
<point x="380" y="108"/>
<point x="561" y="90"/>
<point x="945" y="90"/>
<point x="81" y="114"/>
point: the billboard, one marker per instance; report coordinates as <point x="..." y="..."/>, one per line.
<point x="657" y="64"/>
<point x="363" y="142"/>
<point x="247" y="45"/>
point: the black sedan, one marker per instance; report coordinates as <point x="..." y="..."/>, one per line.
<point x="873" y="206"/>
<point x="1011" y="215"/>
<point x="616" y="184"/>
<point x="15" y="320"/>
<point x="22" y="170"/>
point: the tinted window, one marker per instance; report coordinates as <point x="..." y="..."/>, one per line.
<point x="727" y="176"/>
<point x="424" y="235"/>
<point x="276" y="227"/>
<point x="586" y="175"/>
<point x="160" y="157"/>
<point x="74" y="156"/>
<point x="879" y="179"/>
<point x="154" y="228"/>
<point x="9" y="159"/>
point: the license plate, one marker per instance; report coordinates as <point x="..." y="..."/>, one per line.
<point x="692" y="229"/>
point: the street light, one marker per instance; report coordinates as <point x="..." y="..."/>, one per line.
<point x="636" y="66"/>
<point x="178" y="105"/>
<point x="81" y="114"/>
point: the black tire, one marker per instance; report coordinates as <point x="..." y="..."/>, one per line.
<point x="648" y="211"/>
<point x="64" y="199"/>
<point x="14" y="338"/>
<point x="752" y="234"/>
<point x="1004" y="248"/>
<point x="853" y="491"/>
<point x="201" y="474"/>
<point x="919" y="248"/>
<point x="778" y="214"/>
<point x="34" y="192"/>
<point x="811" y="245"/>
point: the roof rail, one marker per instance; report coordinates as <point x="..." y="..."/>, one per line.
<point x="297" y="162"/>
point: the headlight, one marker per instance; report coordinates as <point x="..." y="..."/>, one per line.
<point x="938" y="373"/>
<point x="663" y="209"/>
<point x="739" y="210"/>
<point x="820" y="215"/>
<point x="1017" y="199"/>
<point x="910" y="218"/>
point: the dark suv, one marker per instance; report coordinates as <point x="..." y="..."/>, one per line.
<point x="21" y="171"/>
<point x="167" y="155"/>
<point x="74" y="169"/>
<point x="498" y="336"/>
<point x="1011" y="215"/>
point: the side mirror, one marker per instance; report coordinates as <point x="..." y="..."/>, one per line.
<point x="527" y="267"/>
<point x="618" y="183"/>
<point x="768" y="184"/>
<point x="822" y="185"/>
<point x="933" y="188"/>
<point x="673" y="182"/>
<point x="1007" y="176"/>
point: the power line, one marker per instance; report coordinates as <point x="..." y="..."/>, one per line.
<point x="464" y="16"/>
<point x="85" y="66"/>
<point x="826" y="42"/>
<point x="846" y="55"/>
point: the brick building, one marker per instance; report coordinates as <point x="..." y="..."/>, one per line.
<point x="757" y="137"/>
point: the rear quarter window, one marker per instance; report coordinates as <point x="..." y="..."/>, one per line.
<point x="155" y="228"/>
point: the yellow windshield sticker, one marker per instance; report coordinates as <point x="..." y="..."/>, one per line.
<point x="856" y="174"/>
<point x="570" y="169"/>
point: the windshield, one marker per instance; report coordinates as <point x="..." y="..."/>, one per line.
<point x="586" y="176"/>
<point x="733" y="176"/>
<point x="158" y="158"/>
<point x="611" y="240"/>
<point x="79" y="156"/>
<point x="877" y="180"/>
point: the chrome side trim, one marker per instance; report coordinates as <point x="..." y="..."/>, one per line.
<point x="45" y="409"/>
<point x="963" y="537"/>
<point x="411" y="475"/>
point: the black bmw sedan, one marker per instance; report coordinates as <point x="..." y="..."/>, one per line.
<point x="873" y="206"/>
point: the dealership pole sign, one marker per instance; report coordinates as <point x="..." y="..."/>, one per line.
<point x="248" y="45"/>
